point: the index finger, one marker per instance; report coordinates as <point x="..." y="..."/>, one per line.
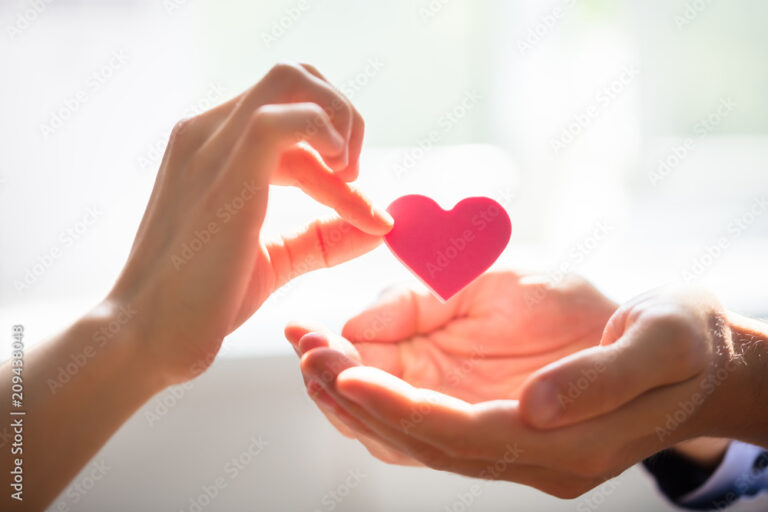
<point x="323" y="185"/>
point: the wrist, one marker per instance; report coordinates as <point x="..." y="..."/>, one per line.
<point x="115" y="331"/>
<point x="749" y="389"/>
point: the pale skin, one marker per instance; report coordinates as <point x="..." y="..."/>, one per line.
<point x="565" y="391"/>
<point x="166" y="316"/>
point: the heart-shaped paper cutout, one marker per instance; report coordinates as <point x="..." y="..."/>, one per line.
<point x="447" y="250"/>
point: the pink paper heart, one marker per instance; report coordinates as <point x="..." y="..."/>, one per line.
<point x="447" y="250"/>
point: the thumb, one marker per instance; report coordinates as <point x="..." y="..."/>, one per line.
<point x="601" y="379"/>
<point x="323" y="243"/>
<point x="398" y="314"/>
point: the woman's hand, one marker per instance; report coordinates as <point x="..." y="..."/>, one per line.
<point x="669" y="367"/>
<point x="199" y="266"/>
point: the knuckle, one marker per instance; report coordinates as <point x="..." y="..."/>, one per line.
<point x="573" y="281"/>
<point x="692" y="354"/>
<point x="260" y="122"/>
<point x="315" y="111"/>
<point x="342" y="108"/>
<point x="673" y="321"/>
<point x="284" y="71"/>
<point x="687" y="342"/>
<point x="180" y="129"/>
<point x="309" y="67"/>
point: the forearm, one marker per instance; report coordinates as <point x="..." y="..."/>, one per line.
<point x="750" y="338"/>
<point x="746" y="382"/>
<point x="78" y="389"/>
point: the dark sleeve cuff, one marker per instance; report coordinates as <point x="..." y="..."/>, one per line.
<point x="743" y="473"/>
<point x="675" y="474"/>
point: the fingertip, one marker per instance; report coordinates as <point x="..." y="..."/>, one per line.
<point x="389" y="318"/>
<point x="540" y="404"/>
<point x="324" y="364"/>
<point x="351" y="329"/>
<point x="384" y="218"/>
<point x="293" y="332"/>
<point x="366" y="326"/>
<point x="312" y="340"/>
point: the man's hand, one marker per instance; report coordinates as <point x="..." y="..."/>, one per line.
<point x="666" y="369"/>
<point x="481" y="345"/>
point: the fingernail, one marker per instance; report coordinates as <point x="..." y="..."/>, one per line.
<point x="544" y="406"/>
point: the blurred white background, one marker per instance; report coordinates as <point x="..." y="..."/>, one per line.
<point x="627" y="140"/>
